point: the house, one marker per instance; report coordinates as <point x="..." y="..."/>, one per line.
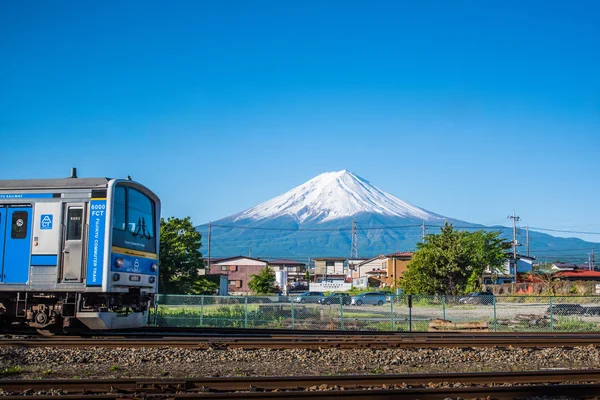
<point x="376" y="263"/>
<point x="383" y="270"/>
<point x="330" y="269"/>
<point x="507" y="273"/>
<point x="238" y="270"/>
<point x="352" y="265"/>
<point x="563" y="266"/>
<point x="295" y="270"/>
<point x="577" y="275"/>
<point x="397" y="264"/>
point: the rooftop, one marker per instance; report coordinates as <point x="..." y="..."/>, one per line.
<point x="285" y="262"/>
<point x="578" y="274"/>
<point x="401" y="254"/>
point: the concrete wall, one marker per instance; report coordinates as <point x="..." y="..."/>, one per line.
<point x="329" y="287"/>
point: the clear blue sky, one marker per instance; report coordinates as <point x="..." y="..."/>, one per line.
<point x="467" y="108"/>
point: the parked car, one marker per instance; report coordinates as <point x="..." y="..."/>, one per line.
<point x="336" y="298"/>
<point x="566" y="309"/>
<point x="485" y="298"/>
<point x="592" y="310"/>
<point x="309" y="297"/>
<point x="369" y="298"/>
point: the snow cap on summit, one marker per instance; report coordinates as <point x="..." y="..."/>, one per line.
<point x="334" y="195"/>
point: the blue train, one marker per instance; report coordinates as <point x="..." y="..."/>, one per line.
<point x="77" y="253"/>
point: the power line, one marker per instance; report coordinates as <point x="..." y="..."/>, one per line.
<point x="564" y="231"/>
<point x="260" y="228"/>
<point x="384" y="227"/>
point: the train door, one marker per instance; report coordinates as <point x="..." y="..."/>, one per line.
<point x="72" y="254"/>
<point x="15" y="232"/>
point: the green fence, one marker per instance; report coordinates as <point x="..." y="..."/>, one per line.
<point x="396" y="313"/>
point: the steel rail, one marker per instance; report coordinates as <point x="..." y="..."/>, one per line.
<point x="345" y="342"/>
<point x="354" y="386"/>
<point x="497" y="393"/>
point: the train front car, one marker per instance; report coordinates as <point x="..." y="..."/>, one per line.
<point x="77" y="252"/>
<point x="128" y="272"/>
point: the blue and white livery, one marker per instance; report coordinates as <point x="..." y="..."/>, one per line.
<point x="78" y="251"/>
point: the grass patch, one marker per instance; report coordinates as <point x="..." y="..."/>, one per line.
<point x="14" y="370"/>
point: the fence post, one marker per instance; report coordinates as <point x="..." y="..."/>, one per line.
<point x="551" y="316"/>
<point x="202" y="310"/>
<point x="342" y="312"/>
<point x="410" y="312"/>
<point x="292" y="306"/>
<point x="246" y="313"/>
<point x="156" y="299"/>
<point x="392" y="312"/>
<point x="444" y="306"/>
<point x="495" y="319"/>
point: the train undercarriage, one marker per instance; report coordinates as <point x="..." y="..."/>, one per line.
<point x="55" y="312"/>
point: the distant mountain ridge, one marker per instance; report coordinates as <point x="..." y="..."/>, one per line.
<point x="315" y="219"/>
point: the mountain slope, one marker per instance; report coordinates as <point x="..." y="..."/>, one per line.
<point x="334" y="195"/>
<point x="315" y="219"/>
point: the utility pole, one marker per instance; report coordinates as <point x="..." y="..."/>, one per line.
<point x="527" y="238"/>
<point x="423" y="232"/>
<point x="514" y="242"/>
<point x="593" y="260"/>
<point x="354" y="245"/>
<point x="209" y="228"/>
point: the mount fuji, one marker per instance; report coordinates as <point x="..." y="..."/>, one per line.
<point x="316" y="218"/>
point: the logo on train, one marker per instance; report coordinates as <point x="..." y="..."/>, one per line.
<point x="46" y="221"/>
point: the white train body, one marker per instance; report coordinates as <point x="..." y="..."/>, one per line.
<point x="78" y="250"/>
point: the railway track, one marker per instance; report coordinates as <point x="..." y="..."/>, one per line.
<point x="423" y="386"/>
<point x="293" y="339"/>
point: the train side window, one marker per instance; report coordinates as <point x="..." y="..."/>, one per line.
<point x="74" y="222"/>
<point x="19" y="225"/>
<point x="119" y="210"/>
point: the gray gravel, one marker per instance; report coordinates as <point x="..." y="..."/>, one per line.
<point x="180" y="362"/>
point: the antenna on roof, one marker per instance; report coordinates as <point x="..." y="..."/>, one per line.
<point x="73" y="173"/>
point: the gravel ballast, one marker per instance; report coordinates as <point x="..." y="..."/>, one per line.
<point x="174" y="362"/>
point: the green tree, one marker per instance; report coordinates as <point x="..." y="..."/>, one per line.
<point x="206" y="285"/>
<point x="180" y="257"/>
<point x="263" y="282"/>
<point x="453" y="261"/>
<point x="545" y="274"/>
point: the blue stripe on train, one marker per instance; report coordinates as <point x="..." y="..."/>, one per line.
<point x="45" y="260"/>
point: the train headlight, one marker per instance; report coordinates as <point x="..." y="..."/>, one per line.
<point x="152" y="279"/>
<point x="119" y="262"/>
<point x="154" y="267"/>
<point x="116" y="277"/>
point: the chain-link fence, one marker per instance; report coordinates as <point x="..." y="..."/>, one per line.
<point x="375" y="311"/>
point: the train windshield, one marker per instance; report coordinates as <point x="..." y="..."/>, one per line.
<point x="133" y="220"/>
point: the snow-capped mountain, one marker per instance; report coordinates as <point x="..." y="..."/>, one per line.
<point x="315" y="219"/>
<point x="335" y="195"/>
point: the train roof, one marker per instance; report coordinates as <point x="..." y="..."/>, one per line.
<point x="64" y="183"/>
